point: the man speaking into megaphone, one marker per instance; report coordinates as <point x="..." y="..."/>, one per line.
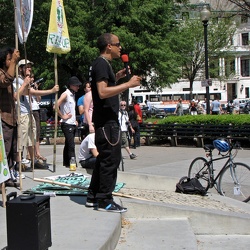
<point x="105" y="93"/>
<point x="125" y="59"/>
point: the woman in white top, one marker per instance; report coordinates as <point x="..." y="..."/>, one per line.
<point x="36" y="113"/>
<point x="67" y="112"/>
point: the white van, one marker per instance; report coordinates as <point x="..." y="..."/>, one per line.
<point x="243" y="102"/>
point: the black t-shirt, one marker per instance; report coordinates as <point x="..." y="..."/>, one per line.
<point x="104" y="109"/>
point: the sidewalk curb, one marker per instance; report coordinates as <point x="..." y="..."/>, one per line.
<point x="202" y="220"/>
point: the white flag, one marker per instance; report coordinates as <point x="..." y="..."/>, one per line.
<point x="24" y="11"/>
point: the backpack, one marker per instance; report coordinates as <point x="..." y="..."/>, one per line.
<point x="190" y="186"/>
<point x="133" y="120"/>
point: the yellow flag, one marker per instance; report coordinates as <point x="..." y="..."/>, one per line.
<point x="58" y="35"/>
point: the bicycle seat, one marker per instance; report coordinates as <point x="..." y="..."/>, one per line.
<point x="209" y="147"/>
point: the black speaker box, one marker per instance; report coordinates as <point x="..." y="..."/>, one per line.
<point x="28" y="223"/>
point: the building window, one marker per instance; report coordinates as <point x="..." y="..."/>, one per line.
<point x="185" y="15"/>
<point x="165" y="98"/>
<point x="194" y="15"/>
<point x="229" y="67"/>
<point x="178" y="16"/>
<point x="154" y="98"/>
<point x="213" y="69"/>
<point x="245" y="67"/>
<point x="245" y="39"/>
<point x="244" y="19"/>
<point x="247" y="92"/>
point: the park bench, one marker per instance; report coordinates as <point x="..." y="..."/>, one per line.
<point x="239" y="133"/>
<point x="156" y="132"/>
<point x="175" y="133"/>
<point x="47" y="133"/>
<point x="168" y="133"/>
<point x="200" y="134"/>
<point x="186" y="131"/>
<point x="211" y="132"/>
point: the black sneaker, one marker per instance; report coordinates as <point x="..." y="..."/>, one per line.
<point x="133" y="156"/>
<point x="39" y="165"/>
<point x="111" y="207"/>
<point x="10" y="183"/>
<point x="27" y="169"/>
<point x="91" y="203"/>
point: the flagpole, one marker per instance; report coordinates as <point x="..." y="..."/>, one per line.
<point x="30" y="113"/>
<point x="30" y="105"/>
<point x="56" y="113"/>
<point x="19" y="147"/>
<point x="57" y="43"/>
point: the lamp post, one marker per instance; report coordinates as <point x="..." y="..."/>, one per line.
<point x="205" y="15"/>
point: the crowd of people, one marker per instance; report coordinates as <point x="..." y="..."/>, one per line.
<point x="19" y="96"/>
<point x="200" y="107"/>
<point x="108" y="124"/>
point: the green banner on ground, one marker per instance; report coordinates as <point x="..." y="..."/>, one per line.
<point x="73" y="179"/>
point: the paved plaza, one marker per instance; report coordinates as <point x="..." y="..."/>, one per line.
<point x="178" y="222"/>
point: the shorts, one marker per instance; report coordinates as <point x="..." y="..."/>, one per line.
<point x="124" y="139"/>
<point x="36" y="114"/>
<point x="236" y="111"/>
<point x="27" y="135"/>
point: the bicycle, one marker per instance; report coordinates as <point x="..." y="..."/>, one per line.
<point x="233" y="179"/>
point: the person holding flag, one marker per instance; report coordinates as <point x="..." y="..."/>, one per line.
<point x="8" y="60"/>
<point x="58" y="43"/>
<point x="23" y="18"/>
<point x="25" y="92"/>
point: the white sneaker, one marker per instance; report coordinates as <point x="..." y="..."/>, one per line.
<point x="16" y="174"/>
<point x="25" y="161"/>
<point x="12" y="175"/>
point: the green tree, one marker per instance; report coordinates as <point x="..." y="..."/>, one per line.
<point x="188" y="42"/>
<point x="143" y="28"/>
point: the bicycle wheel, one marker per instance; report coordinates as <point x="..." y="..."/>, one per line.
<point x="238" y="189"/>
<point x="199" y="169"/>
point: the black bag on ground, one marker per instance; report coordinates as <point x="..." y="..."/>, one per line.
<point x="190" y="186"/>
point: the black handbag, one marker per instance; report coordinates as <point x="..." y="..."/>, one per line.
<point x="188" y="185"/>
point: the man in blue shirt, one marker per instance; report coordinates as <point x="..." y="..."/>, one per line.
<point x="216" y="107"/>
<point x="80" y="105"/>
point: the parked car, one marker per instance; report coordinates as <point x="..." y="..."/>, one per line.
<point x="243" y="102"/>
<point x="246" y="108"/>
<point x="155" y="112"/>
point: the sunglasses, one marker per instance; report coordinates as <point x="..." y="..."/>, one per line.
<point x="116" y="44"/>
<point x="123" y="105"/>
